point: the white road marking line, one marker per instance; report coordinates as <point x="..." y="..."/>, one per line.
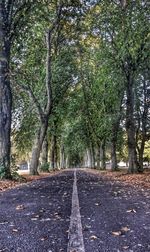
<point x="76" y="243"/>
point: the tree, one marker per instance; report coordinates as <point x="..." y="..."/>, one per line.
<point x="12" y="18"/>
<point x="142" y="115"/>
<point x="123" y="27"/>
<point x="59" y="75"/>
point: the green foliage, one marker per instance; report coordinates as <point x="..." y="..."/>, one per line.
<point x="147" y="151"/>
<point x="91" y="56"/>
<point x="44" y="167"/>
<point x="14" y="168"/>
<point x="2" y="172"/>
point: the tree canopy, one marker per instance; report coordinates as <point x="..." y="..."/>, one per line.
<point x="74" y="84"/>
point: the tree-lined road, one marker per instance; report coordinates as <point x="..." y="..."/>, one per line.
<point x="36" y="216"/>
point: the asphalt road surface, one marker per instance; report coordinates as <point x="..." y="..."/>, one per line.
<point x="75" y="211"/>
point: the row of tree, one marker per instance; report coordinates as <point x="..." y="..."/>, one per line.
<point x="74" y="83"/>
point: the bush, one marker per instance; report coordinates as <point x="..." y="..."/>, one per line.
<point x="44" y="167"/>
<point x="2" y="172"/>
<point x="17" y="177"/>
<point x="14" y="169"/>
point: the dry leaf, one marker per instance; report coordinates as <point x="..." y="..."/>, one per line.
<point x="15" y="230"/>
<point x="116" y="233"/>
<point x="44" y="238"/>
<point x="125" y="247"/>
<point x="37" y="216"/>
<point x="125" y="229"/>
<point x="33" y="219"/>
<point x="47" y="219"/>
<point x="86" y="228"/>
<point x="131" y="211"/>
<point x="42" y="210"/>
<point x="93" y="237"/>
<point x="97" y="204"/>
<point x="3" y="223"/>
<point x="20" y="207"/>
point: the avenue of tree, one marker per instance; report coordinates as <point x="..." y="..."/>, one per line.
<point x="74" y="84"/>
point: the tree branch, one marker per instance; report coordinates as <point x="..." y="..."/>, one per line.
<point x="29" y="91"/>
<point x="49" y="60"/>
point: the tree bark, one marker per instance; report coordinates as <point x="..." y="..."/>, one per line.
<point x="53" y="153"/>
<point x="44" y="155"/>
<point x="98" y="157"/>
<point x="66" y="162"/>
<point x="36" y="150"/>
<point x="115" y="128"/>
<point x="43" y="114"/>
<point x="144" y="121"/>
<point x="130" y="127"/>
<point x="103" y="156"/>
<point x="62" y="158"/>
<point x="141" y="152"/>
<point x="114" y="163"/>
<point x="5" y="98"/>
<point x="92" y="156"/>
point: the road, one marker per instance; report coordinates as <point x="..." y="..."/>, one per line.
<point x="75" y="211"/>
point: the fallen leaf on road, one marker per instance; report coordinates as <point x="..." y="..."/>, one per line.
<point x="42" y="210"/>
<point x="131" y="211"/>
<point x="15" y="230"/>
<point x="86" y="228"/>
<point x="3" y="223"/>
<point x="44" y="238"/>
<point x="116" y="233"/>
<point x="97" y="204"/>
<point x="34" y="219"/>
<point x="125" y="229"/>
<point x="125" y="247"/>
<point x="47" y="219"/>
<point x="20" y="207"/>
<point x="93" y="237"/>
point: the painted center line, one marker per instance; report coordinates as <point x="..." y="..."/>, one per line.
<point x="76" y="243"/>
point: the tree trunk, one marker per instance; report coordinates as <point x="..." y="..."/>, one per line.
<point x="130" y="126"/>
<point x="87" y="159"/>
<point x="43" y="114"/>
<point x="144" y="120"/>
<point x="52" y="162"/>
<point x="56" y="154"/>
<point x="62" y="158"/>
<point x="141" y="153"/>
<point x="114" y="163"/>
<point x="53" y="152"/>
<point x="36" y="150"/>
<point x="44" y="155"/>
<point x="92" y="156"/>
<point x="98" y="157"/>
<point x="115" y="128"/>
<point x="5" y="99"/>
<point x="67" y="162"/>
<point x="103" y="156"/>
<point x="141" y="169"/>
